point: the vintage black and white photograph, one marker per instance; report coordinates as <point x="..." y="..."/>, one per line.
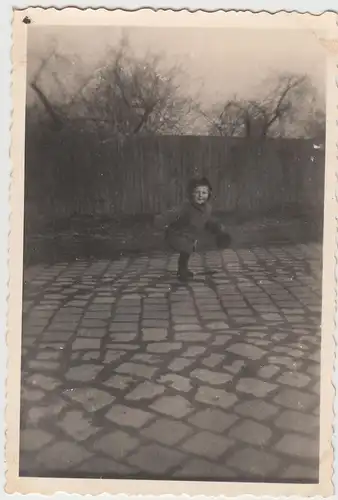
<point x="174" y="192"/>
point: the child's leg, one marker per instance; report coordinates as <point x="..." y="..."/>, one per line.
<point x="183" y="270"/>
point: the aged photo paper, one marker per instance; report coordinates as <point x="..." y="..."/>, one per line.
<point x="172" y="253"/>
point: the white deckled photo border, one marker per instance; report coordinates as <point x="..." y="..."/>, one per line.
<point x="326" y="23"/>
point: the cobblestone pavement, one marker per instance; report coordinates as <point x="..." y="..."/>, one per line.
<point x="128" y="373"/>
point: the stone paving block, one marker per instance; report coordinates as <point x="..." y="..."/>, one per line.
<point x="207" y="444"/>
<point x="258" y="388"/>
<point x="34" y="439"/>
<point x="116" y="444"/>
<point x="185" y="327"/>
<point x="254" y="463"/>
<point x="215" y="397"/>
<point x="291" y="351"/>
<point x="104" y="467"/>
<point x="146" y="390"/>
<point x="257" y="409"/>
<point x="76" y="426"/>
<point x="151" y="359"/>
<point x="155" y="314"/>
<point x="164" y="347"/>
<point x="123" y="347"/>
<point x="244" y="320"/>
<point x="185" y="320"/>
<point x="213" y="419"/>
<point x="167" y="432"/>
<point x="28" y="342"/>
<point x="175" y="381"/>
<point x="211" y="377"/>
<point x="261" y="343"/>
<point x="235" y="367"/>
<point x="44" y="382"/>
<point x="36" y="323"/>
<point x="214" y="316"/>
<point x="156" y="459"/>
<point x="192" y="336"/>
<point x="92" y="333"/>
<point x="316" y="388"/>
<point x="154" y="334"/>
<point x="31" y="395"/>
<point x="298" y="422"/>
<point x="97" y="314"/>
<point x="48" y="355"/>
<point x="298" y="446"/>
<point x="99" y="307"/>
<point x="287" y="361"/>
<point x="268" y="371"/>
<point x="217" y="325"/>
<point x="122" y="337"/>
<point x="174" y="406"/>
<point x="301" y="473"/>
<point x="112" y="356"/>
<point x="137" y="369"/>
<point x="199" y="468"/>
<point x="90" y="398"/>
<point x="57" y="336"/>
<point x="213" y="360"/>
<point x="91" y="355"/>
<point x="193" y="351"/>
<point x="296" y="400"/>
<point x="43" y="365"/>
<point x="157" y="323"/>
<point x="182" y="312"/>
<point x="247" y="351"/>
<point x="63" y="328"/>
<point x="93" y="323"/>
<point x="126" y="416"/>
<point x="238" y="312"/>
<point x="251" y="432"/>
<point x="62" y="455"/>
<point x="86" y="344"/>
<point x="83" y="373"/>
<point x="294" y="379"/>
<point x="121" y="382"/>
<point x="124" y="327"/>
<point x="179" y="364"/>
<point x="104" y="300"/>
<point x="271" y="317"/>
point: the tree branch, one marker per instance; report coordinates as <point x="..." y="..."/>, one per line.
<point x="48" y="106"/>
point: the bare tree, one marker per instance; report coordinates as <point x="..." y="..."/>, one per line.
<point x="270" y="115"/>
<point x="125" y="96"/>
<point x="131" y="95"/>
<point x="315" y="126"/>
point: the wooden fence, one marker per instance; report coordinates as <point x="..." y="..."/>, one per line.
<point x="75" y="175"/>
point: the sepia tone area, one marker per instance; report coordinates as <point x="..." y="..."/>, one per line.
<point x="126" y="371"/>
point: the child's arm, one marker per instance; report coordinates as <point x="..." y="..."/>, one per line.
<point x="162" y="221"/>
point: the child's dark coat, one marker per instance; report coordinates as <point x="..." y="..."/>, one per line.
<point x="185" y="225"/>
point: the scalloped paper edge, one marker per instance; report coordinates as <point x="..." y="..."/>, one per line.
<point x="326" y="21"/>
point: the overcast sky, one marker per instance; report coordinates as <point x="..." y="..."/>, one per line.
<point x="219" y="61"/>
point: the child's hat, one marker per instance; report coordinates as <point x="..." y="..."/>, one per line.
<point x="194" y="183"/>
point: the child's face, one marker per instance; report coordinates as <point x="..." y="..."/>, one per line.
<point x="201" y="194"/>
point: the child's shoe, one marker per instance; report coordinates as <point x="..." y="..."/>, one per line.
<point x="185" y="275"/>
